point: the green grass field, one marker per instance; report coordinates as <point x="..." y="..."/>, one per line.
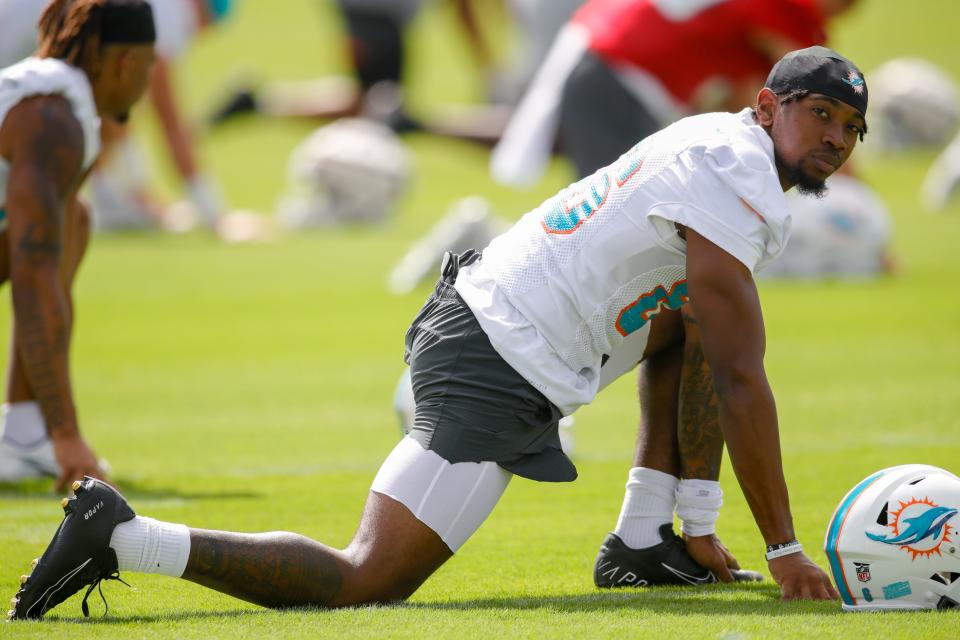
<point x="249" y="387"/>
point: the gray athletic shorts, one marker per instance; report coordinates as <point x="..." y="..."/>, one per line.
<point x="471" y="405"/>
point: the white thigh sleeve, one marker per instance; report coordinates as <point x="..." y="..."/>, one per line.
<point x="451" y="499"/>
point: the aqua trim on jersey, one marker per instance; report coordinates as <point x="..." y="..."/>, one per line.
<point x="566" y="218"/>
<point x="833" y="535"/>
<point x="639" y="312"/>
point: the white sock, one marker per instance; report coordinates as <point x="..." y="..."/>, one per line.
<point x="146" y="545"/>
<point x="23" y="424"/>
<point x="647" y="505"/>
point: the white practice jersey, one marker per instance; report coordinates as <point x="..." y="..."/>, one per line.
<point x="48" y="76"/>
<point x="578" y="279"/>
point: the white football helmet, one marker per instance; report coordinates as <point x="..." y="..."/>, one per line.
<point x="893" y="541"/>
<point x="350" y="171"/>
<point x="846" y="234"/>
<point x="913" y="103"/>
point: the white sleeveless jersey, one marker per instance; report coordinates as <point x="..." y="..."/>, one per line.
<point x="576" y="281"/>
<point x="48" y="76"/>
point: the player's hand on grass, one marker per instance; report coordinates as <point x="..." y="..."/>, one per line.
<point x="800" y="579"/>
<point x="711" y="554"/>
<point x="76" y="460"/>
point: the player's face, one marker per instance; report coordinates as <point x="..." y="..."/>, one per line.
<point x="135" y="76"/>
<point x="813" y="137"/>
<point x="123" y="78"/>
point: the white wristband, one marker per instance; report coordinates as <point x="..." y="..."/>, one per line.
<point x="786" y="549"/>
<point x="698" y="506"/>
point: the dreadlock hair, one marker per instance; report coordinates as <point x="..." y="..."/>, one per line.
<point x="70" y="31"/>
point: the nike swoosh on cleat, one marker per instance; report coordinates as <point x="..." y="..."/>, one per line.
<point x="686" y="577"/>
<point x="55" y="587"/>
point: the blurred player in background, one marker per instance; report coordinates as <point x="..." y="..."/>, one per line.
<point x="623" y="69"/>
<point x="514" y="338"/>
<point x="93" y="63"/>
<point x="847" y="234"/>
<point x="377" y="47"/>
<point x="119" y="187"/>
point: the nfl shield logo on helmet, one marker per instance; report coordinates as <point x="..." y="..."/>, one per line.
<point x="863" y="571"/>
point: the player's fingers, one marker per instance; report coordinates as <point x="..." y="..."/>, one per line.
<point x="730" y="560"/>
<point x="717" y="563"/>
<point x="788" y="592"/>
<point x="723" y="573"/>
<point x="67" y="476"/>
<point x="95" y="472"/>
<point x="831" y="592"/>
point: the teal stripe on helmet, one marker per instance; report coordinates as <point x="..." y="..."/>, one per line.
<point x="833" y="534"/>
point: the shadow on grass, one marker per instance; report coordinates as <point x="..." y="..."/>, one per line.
<point x="182" y="616"/>
<point x="132" y="489"/>
<point x="719" y="600"/>
<point x="714" y="600"/>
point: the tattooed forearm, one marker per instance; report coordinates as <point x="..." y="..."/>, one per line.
<point x="42" y="333"/>
<point x="37" y="246"/>
<point x="270" y="569"/>
<point x="699" y="435"/>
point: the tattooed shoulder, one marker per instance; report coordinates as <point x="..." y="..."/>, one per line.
<point x="47" y="136"/>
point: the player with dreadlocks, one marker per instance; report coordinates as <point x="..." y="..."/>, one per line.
<point x="93" y="61"/>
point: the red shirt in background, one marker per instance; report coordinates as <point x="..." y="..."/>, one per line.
<point x="685" y="43"/>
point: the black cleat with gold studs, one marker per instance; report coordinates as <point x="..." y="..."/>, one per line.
<point x="79" y="555"/>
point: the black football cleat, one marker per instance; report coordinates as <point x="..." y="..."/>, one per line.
<point x="242" y="101"/>
<point x="79" y="554"/>
<point x="667" y="563"/>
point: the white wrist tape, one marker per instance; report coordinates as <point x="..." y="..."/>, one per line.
<point x="698" y="506"/>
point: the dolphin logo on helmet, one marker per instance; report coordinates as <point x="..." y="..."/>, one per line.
<point x="927" y="525"/>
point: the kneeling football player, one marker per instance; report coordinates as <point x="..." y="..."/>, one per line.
<point x="514" y="338"/>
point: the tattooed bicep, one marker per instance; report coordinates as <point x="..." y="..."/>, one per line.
<point x="46" y="159"/>
<point x="47" y="140"/>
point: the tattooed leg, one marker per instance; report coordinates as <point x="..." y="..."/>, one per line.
<point x="699" y="437"/>
<point x="391" y="555"/>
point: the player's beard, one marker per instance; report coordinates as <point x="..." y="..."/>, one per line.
<point x="805" y="183"/>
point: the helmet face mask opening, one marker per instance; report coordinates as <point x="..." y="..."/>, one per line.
<point x="894" y="541"/>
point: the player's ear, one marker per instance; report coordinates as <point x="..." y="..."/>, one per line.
<point x="767" y="106"/>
